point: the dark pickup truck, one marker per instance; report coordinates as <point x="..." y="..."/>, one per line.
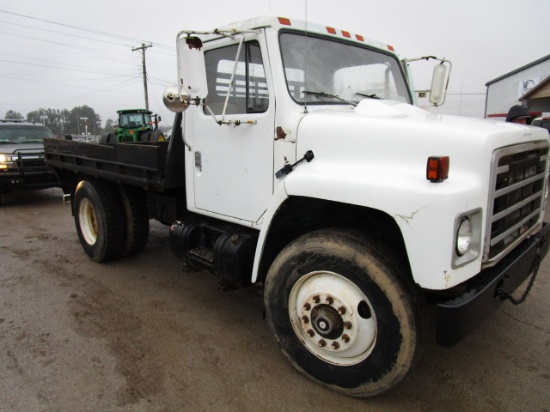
<point x="22" y="164"/>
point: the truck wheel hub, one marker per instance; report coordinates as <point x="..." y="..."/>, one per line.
<point x="327" y="313"/>
<point x="327" y="322"/>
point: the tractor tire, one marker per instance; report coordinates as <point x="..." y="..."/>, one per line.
<point x="145" y="136"/>
<point x="342" y="314"/>
<point x="99" y="220"/>
<point x="106" y="138"/>
<point x="157" y="136"/>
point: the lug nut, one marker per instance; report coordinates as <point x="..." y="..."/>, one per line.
<point x="335" y="345"/>
<point x="305" y="319"/>
<point x="307" y="306"/>
<point x="316" y="299"/>
<point x="341" y="310"/>
<point x="330" y="300"/>
<point x="345" y="338"/>
<point x="311" y="333"/>
<point x="322" y="343"/>
<point x="347" y="325"/>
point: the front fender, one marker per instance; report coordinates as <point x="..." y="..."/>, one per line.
<point x="425" y="212"/>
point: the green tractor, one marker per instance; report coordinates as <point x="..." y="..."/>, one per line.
<point x="135" y="125"/>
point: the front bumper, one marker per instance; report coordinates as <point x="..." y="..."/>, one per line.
<point x="460" y="315"/>
<point x="21" y="178"/>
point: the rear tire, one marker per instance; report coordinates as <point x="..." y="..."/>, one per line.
<point x="341" y="313"/>
<point x="99" y="220"/>
<point x="134" y="204"/>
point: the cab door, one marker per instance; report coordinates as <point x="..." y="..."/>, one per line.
<point x="232" y="154"/>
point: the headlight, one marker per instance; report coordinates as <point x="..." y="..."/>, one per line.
<point x="464" y="236"/>
<point x="4" y="159"/>
<point x="467" y="241"/>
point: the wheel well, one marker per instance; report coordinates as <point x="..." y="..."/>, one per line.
<point x="301" y="215"/>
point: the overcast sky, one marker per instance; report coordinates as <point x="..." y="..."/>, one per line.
<point x="64" y="53"/>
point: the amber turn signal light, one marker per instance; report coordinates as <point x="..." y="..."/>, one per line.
<point x="437" y="169"/>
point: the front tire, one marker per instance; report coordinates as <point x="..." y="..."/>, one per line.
<point x="99" y="220"/>
<point x="341" y="313"/>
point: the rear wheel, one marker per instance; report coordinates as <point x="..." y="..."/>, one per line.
<point x="99" y="220"/>
<point x="341" y="314"/>
<point x="134" y="204"/>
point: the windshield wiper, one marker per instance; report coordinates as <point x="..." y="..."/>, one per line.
<point x="324" y="94"/>
<point x="370" y="96"/>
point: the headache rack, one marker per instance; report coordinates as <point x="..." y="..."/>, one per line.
<point x="516" y="205"/>
<point x="30" y="160"/>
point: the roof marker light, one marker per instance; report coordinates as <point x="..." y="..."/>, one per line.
<point x="359" y="37"/>
<point x="346" y="34"/>
<point x="390" y="47"/>
<point x="284" y="21"/>
<point x="331" y="30"/>
<point x="437" y="169"/>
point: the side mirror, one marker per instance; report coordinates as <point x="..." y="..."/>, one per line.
<point x="440" y="82"/>
<point x="174" y="101"/>
<point x="191" y="67"/>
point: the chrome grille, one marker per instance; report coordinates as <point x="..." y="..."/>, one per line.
<point x="517" y="202"/>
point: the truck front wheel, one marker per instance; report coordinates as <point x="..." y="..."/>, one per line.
<point x="99" y="220"/>
<point x="341" y="314"/>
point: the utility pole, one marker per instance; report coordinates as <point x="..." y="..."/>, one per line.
<point x="143" y="48"/>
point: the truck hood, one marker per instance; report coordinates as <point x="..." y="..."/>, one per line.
<point x="23" y="148"/>
<point x="390" y="132"/>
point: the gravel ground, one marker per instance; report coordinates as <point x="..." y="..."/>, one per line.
<point x="142" y="334"/>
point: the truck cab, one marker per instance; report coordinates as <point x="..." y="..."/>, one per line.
<point x="266" y="94"/>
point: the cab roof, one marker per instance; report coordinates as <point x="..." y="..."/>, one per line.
<point x="281" y="23"/>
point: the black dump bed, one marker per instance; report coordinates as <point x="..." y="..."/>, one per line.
<point x="155" y="166"/>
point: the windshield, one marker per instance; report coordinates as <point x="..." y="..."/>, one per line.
<point x="23" y="134"/>
<point x="134" y="120"/>
<point x="339" y="73"/>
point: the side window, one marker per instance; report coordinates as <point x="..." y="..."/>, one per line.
<point x="249" y="92"/>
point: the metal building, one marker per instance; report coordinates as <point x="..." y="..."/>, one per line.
<point x="529" y="85"/>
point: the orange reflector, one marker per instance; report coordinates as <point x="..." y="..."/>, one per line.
<point x="284" y="20"/>
<point x="131" y="132"/>
<point x="331" y="30"/>
<point x="359" y="37"/>
<point x="437" y="169"/>
<point x="346" y="34"/>
<point x="390" y="47"/>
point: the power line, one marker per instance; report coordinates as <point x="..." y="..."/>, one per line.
<point x="62" y="68"/>
<point x="117" y="36"/>
<point x="58" y="43"/>
<point x="64" y="34"/>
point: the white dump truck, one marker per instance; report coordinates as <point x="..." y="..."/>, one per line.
<point x="299" y="162"/>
